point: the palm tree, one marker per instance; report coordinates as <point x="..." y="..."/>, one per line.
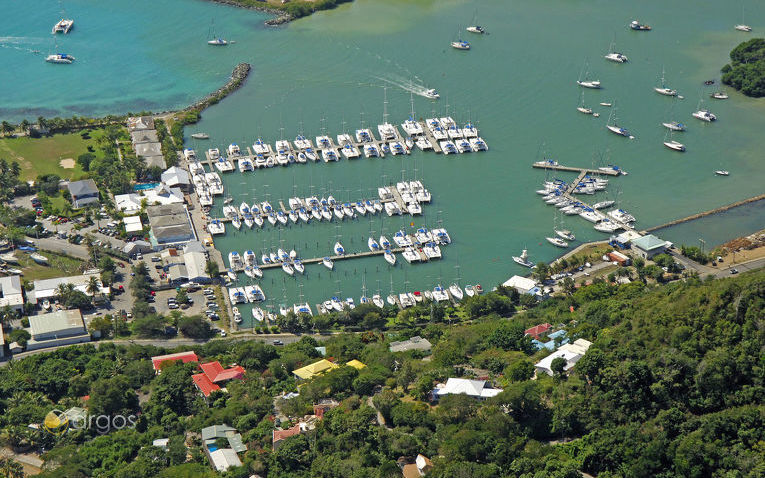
<point x="6" y="315"/>
<point x="24" y="126"/>
<point x="7" y="128"/>
<point x="93" y="288"/>
<point x="64" y="291"/>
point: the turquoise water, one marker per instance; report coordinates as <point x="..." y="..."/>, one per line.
<point x="517" y="84"/>
<point x="720" y="228"/>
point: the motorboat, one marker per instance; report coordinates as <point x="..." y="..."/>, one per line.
<point x="636" y="25"/>
<point x="431" y="93"/>
<point x="377" y="300"/>
<point x="456" y="292"/>
<point x="339" y="250"/>
<point x="719" y="95"/>
<point x="390" y="257"/>
<point x="61" y="58"/>
<point x="704" y="115"/>
<point x="743" y="28"/>
<point x="593" y="84"/>
<point x="621" y="215"/>
<point x="674" y="126"/>
<point x="557" y="241"/>
<point x="616" y="57"/>
<point x="328" y="263"/>
<point x="237" y="315"/>
<point x="287" y="267"/>
<point x="565" y="234"/>
<point x="65" y="25"/>
<point x="350" y="303"/>
<point x="674" y="145"/>
<point x="461" y="45"/>
<point x="476" y="29"/>
<point x="200" y="135"/>
<point x="722" y="172"/>
<point x="336" y="304"/>
<point x="373" y="245"/>
<point x="523" y="259"/>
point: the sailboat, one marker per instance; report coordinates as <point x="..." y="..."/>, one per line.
<point x="720" y="95"/>
<point x="460" y="44"/>
<point x="391" y="299"/>
<point x="475" y="27"/>
<point x="583" y="109"/>
<point x="703" y="114"/>
<point x="563" y="233"/>
<point x="672" y="144"/>
<point x="614" y="56"/>
<point x="743" y="27"/>
<point x="616" y="129"/>
<point x="213" y="39"/>
<point x="586" y="82"/>
<point x="663" y="89"/>
<point x="523" y="259"/>
<point x="60" y="58"/>
<point x="557" y="241"/>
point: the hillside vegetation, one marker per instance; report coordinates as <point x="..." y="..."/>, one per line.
<point x="673" y="385"/>
<point x="746" y="71"/>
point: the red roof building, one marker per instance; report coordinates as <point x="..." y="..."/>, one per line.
<point x="184" y="357"/>
<point x="279" y="435"/>
<point x="538" y="330"/>
<point x="213" y="375"/>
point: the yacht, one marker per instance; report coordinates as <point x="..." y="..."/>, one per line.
<point x="217" y="42"/>
<point x="557" y="241"/>
<point x="60" y="58"/>
<point x="636" y="25"/>
<point x="236" y="222"/>
<point x="440" y="294"/>
<point x="373" y="245"/>
<point x="719" y="95"/>
<point x="63" y="26"/>
<point x="431" y="250"/>
<point x="456" y="292"/>
<point x="432" y="94"/>
<point x="671" y="144"/>
<point x="478" y="144"/>
<point x="722" y="172"/>
<point x="523" y="259"/>
<point x="704" y="115"/>
<point x="235" y="261"/>
<point x="602" y="204"/>
<point x="618" y="130"/>
<point x="328" y="263"/>
<point x="674" y="126"/>
<point x="607" y="226"/>
<point x="377" y="300"/>
<point x="364" y="135"/>
<point x="339" y="250"/>
<point x="565" y="234"/>
<point x="390" y="257"/>
<point x="476" y="29"/>
<point x="594" y="84"/>
<point x="299" y="266"/>
<point x="216" y="227"/>
<point x="743" y="28"/>
<point x="410" y="255"/>
<point x="287" y="267"/>
<point x="461" y="45"/>
<point x="616" y="57"/>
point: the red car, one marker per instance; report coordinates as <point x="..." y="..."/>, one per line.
<point x="121" y="264"/>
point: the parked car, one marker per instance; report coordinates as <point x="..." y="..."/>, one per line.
<point x="278" y="342"/>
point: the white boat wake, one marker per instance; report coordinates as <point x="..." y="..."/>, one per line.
<point x="412" y="86"/>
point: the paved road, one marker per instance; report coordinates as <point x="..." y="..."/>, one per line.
<point x="180" y="341"/>
<point x="63" y="246"/>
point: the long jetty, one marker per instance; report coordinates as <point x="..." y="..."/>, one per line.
<point x="572" y="169"/>
<point x="706" y="213"/>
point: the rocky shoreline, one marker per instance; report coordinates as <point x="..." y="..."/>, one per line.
<point x="238" y="76"/>
<point x="280" y="19"/>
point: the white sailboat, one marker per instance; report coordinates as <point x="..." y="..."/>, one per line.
<point x="663" y="89"/>
<point x="743" y="27"/>
<point x="583" y="109"/>
<point x="672" y="144"/>
<point x="587" y="82"/>
<point x="615" y="56"/>
<point x="213" y="39"/>
<point x="615" y="128"/>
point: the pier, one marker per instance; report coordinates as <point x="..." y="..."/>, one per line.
<point x="352" y="255"/>
<point x="572" y="169"/>
<point x="706" y="213"/>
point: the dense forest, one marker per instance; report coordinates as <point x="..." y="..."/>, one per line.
<point x="672" y="386"/>
<point x="746" y="71"/>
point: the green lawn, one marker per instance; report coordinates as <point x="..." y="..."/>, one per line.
<point x="38" y="156"/>
<point x="58" y="266"/>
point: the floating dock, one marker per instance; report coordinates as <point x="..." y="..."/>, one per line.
<point x="572" y="169"/>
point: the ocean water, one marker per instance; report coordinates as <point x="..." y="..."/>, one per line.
<point x="330" y="73"/>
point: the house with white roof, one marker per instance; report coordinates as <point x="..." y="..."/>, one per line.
<point x="648" y="246"/>
<point x="62" y="327"/>
<point x="462" y="386"/>
<point x="176" y="177"/>
<point x="524" y="285"/>
<point x="11" y="293"/>
<point x="133" y="225"/>
<point x="571" y="353"/>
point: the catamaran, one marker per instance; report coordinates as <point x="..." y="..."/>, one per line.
<point x="614" y="56"/>
<point x="704" y="115"/>
<point x="63" y="26"/>
<point x="61" y="58"/>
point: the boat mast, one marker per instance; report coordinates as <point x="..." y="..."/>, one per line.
<point x="385" y="105"/>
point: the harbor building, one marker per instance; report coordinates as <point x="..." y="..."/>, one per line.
<point x="170" y="226"/>
<point x="648" y="246"/>
<point x="48" y="288"/>
<point x="62" y="327"/>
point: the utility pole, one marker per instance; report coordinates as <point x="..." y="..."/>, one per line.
<point x="703" y="244"/>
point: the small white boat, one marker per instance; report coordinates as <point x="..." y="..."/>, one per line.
<point x="38" y="258"/>
<point x="674" y="145"/>
<point x="606" y="104"/>
<point x="217" y="42"/>
<point x="61" y="58"/>
<point x="377" y="300"/>
<point x="476" y="29"/>
<point x="719" y="95"/>
<point x="636" y="25"/>
<point x="523" y="259"/>
<point x="328" y="263"/>
<point x="592" y="84"/>
<point x="565" y="234"/>
<point x="616" y="57"/>
<point x="390" y="257"/>
<point x="431" y="93"/>
<point x="722" y="172"/>
<point x="200" y="136"/>
<point x="743" y="28"/>
<point x="339" y="250"/>
<point x="287" y="267"/>
<point x="556" y="241"/>
<point x="674" y="126"/>
<point x="461" y="45"/>
<point x="373" y="245"/>
<point x="237" y="315"/>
